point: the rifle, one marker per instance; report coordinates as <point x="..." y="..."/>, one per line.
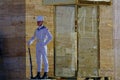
<point x="30" y="63"/>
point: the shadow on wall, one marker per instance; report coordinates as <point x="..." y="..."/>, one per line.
<point x="1" y="44"/>
<point x="12" y="40"/>
<point x="2" y="76"/>
<point x="12" y="58"/>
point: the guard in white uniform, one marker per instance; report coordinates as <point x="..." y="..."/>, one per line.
<point x="43" y="37"/>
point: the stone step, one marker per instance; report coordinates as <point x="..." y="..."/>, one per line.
<point x="98" y="78"/>
<point x="42" y="79"/>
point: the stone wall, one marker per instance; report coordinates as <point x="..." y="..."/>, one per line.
<point x="106" y="41"/>
<point x="17" y="25"/>
<point x="12" y="39"/>
<point x="116" y="33"/>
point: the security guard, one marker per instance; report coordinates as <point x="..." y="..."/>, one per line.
<point x="43" y="37"/>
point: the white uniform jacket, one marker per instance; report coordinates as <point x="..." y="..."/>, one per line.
<point x="42" y="36"/>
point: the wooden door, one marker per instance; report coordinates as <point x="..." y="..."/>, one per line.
<point x="65" y="41"/>
<point x="88" y="41"/>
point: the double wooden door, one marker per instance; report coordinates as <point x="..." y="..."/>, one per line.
<point x="76" y="41"/>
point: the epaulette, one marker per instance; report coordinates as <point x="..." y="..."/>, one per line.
<point x="43" y="27"/>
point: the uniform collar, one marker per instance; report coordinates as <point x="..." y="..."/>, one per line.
<point x="40" y="27"/>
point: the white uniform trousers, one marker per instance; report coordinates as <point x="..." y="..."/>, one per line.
<point x="41" y="54"/>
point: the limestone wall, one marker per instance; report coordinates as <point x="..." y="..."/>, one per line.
<point x="106" y="41"/>
<point x="12" y="39"/>
<point x="116" y="33"/>
<point x="17" y="25"/>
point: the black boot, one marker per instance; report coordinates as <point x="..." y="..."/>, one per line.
<point x="45" y="76"/>
<point x="37" y="76"/>
<point x="106" y="78"/>
<point x="96" y="78"/>
<point x="86" y="78"/>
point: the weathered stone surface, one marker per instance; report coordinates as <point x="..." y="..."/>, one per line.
<point x="18" y="21"/>
<point x="106" y="41"/>
<point x="87" y="42"/>
<point x="12" y="40"/>
<point x="116" y="28"/>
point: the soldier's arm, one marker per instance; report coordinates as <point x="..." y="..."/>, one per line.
<point x="49" y="37"/>
<point x="32" y="39"/>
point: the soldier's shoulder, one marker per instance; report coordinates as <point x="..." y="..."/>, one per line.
<point x="45" y="27"/>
